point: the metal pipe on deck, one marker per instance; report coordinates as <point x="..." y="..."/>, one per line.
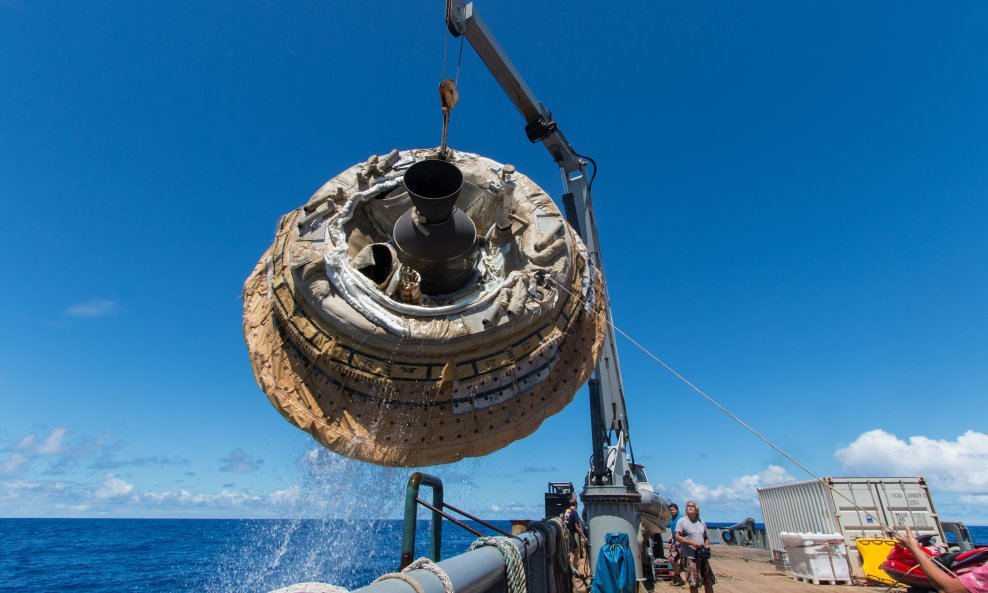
<point x="476" y="571"/>
<point x="411" y="517"/>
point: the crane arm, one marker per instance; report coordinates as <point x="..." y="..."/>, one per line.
<point x="607" y="406"/>
<point x="463" y="19"/>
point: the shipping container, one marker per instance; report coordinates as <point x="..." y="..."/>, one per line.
<point x="852" y="507"/>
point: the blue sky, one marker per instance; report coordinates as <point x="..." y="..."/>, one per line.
<point x="791" y="200"/>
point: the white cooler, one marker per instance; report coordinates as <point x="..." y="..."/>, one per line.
<point x="817" y="557"/>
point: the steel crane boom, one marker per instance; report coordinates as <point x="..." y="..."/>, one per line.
<point x="615" y="485"/>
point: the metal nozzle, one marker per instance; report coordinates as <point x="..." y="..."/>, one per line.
<point x="442" y="248"/>
<point x="433" y="186"/>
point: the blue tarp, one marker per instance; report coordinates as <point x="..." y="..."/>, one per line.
<point x="615" y="566"/>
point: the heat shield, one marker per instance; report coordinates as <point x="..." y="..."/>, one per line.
<point x="385" y="353"/>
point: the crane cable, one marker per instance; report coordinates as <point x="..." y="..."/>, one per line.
<point x="448" y="94"/>
<point x="602" y="314"/>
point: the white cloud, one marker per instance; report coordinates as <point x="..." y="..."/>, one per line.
<point x="325" y="489"/>
<point x="12" y="463"/>
<point x="111" y="462"/>
<point x="239" y="462"/>
<point x="52" y="445"/>
<point x="59" y="453"/>
<point x="75" y="508"/>
<point x="222" y="499"/>
<point x="62" y="453"/>
<point x="740" y="497"/>
<point x="26" y="498"/>
<point x="113" y="487"/>
<point x="114" y="496"/>
<point x="540" y="470"/>
<point x="741" y="489"/>
<point x="28" y="448"/>
<point x="975" y="499"/>
<point x="289" y="495"/>
<point x="13" y="490"/>
<point x="94" y="308"/>
<point x="521" y="507"/>
<point x="960" y="465"/>
<point x="517" y="508"/>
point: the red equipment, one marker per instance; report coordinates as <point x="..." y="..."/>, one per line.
<point x="902" y="566"/>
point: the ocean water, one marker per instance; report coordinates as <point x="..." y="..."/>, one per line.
<point x="713" y="524"/>
<point x="210" y="556"/>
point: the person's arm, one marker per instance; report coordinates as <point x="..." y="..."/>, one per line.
<point x="681" y="539"/>
<point x="676" y="536"/>
<point x="938" y="576"/>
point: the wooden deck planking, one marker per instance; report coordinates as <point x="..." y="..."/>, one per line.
<point x="749" y="570"/>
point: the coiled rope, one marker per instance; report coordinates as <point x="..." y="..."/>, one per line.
<point x="514" y="569"/>
<point x="429" y="565"/>
<point x="421" y="564"/>
<point x="565" y="570"/>
<point x="560" y="581"/>
<point x="311" y="588"/>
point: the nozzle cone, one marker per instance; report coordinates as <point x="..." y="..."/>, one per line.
<point x="433" y="186"/>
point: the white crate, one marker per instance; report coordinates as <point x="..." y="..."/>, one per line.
<point x="817" y="557"/>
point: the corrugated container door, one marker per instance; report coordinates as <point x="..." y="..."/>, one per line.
<point x="853" y="523"/>
<point x="895" y="502"/>
<point x="908" y="502"/>
<point x="860" y="512"/>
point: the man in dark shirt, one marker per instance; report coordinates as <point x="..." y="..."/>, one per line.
<point x="574" y="524"/>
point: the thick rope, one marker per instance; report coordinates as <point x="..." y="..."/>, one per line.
<point x="429" y="565"/>
<point x="573" y="571"/>
<point x="564" y="570"/>
<point x="402" y="577"/>
<point x="311" y="588"/>
<point x="514" y="569"/>
<point x="420" y="564"/>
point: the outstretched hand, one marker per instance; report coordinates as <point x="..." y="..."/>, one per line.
<point x="943" y="581"/>
<point x="909" y="540"/>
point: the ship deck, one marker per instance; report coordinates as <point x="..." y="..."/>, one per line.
<point x="750" y="570"/>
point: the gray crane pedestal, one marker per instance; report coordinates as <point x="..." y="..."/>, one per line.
<point x="612" y="509"/>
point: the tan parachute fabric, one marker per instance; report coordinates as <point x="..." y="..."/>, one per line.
<point x="433" y="381"/>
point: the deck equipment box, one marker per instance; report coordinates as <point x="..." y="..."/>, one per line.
<point x="817" y="557"/>
<point x="557" y="498"/>
<point x="813" y="507"/>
